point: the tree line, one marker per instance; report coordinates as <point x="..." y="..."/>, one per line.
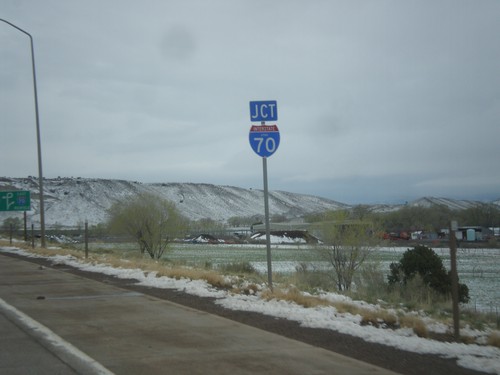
<point x="154" y="222"/>
<point x="432" y="218"/>
<point x="349" y="235"/>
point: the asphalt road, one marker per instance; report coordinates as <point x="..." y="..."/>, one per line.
<point x="55" y="322"/>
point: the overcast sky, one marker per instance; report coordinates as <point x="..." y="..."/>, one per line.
<point x="378" y="101"/>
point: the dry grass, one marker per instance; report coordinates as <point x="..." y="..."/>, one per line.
<point x="161" y="269"/>
<point x="250" y="289"/>
<point x="344" y="307"/>
<point x="494" y="339"/>
<point x="374" y="317"/>
<point x="378" y="317"/>
<point x="145" y="264"/>
<point x="294" y="295"/>
<point x="468" y="340"/>
<point x="414" y="322"/>
<point x="47" y="252"/>
<point x="211" y="277"/>
<point x="368" y="316"/>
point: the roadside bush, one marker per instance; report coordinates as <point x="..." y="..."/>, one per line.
<point x="238" y="268"/>
<point x="349" y="241"/>
<point x="416" y="324"/>
<point x="370" y="283"/>
<point x="309" y="278"/>
<point x="13" y="223"/>
<point x="152" y="221"/>
<point x="417" y="293"/>
<point x="424" y="262"/>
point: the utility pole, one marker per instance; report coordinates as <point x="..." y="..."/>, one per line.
<point x="39" y="144"/>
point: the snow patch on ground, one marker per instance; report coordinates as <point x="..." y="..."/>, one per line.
<point x="475" y="357"/>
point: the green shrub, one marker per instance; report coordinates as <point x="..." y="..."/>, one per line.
<point x="309" y="278"/>
<point x="370" y="283"/>
<point x="424" y="262"/>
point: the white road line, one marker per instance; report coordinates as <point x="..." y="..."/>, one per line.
<point x="97" y="296"/>
<point x="72" y="356"/>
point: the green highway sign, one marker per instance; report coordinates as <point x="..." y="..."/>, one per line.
<point x="15" y="201"/>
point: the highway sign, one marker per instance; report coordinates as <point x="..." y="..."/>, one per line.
<point x="15" y="201"/>
<point x="262" y="111"/>
<point x="264" y="139"/>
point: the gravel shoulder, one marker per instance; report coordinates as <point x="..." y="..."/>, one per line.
<point x="384" y="356"/>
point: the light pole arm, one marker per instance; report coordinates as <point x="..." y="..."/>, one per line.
<point x="16" y="27"/>
<point x="38" y="137"/>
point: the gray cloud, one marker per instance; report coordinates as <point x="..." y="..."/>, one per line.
<point x="178" y="44"/>
<point x="377" y="100"/>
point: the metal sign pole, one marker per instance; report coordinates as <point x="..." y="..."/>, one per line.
<point x="268" y="230"/>
<point x="25" y="227"/>
<point x="86" y="239"/>
<point x="264" y="140"/>
<point x="454" y="280"/>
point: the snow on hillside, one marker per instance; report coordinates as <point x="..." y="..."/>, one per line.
<point x="452" y="204"/>
<point x="72" y="201"/>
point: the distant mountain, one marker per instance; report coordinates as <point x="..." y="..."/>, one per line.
<point x="70" y="202"/>
<point x="452" y="204"/>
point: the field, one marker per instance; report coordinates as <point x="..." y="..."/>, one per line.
<point x="478" y="268"/>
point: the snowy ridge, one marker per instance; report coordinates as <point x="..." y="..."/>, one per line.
<point x="72" y="201"/>
<point x="69" y="202"/>
<point x="452" y="204"/>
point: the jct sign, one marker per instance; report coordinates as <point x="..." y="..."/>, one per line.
<point x="15" y="201"/>
<point x="264" y="139"/>
<point x="262" y="111"/>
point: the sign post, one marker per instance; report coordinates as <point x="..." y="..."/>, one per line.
<point x="454" y="279"/>
<point x="264" y="140"/>
<point x="268" y="229"/>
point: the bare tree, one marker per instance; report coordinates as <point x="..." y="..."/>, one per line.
<point x="348" y="243"/>
<point x="151" y="220"/>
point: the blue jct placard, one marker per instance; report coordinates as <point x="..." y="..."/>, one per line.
<point x="262" y="111"/>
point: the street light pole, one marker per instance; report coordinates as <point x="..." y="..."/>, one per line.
<point x="39" y="145"/>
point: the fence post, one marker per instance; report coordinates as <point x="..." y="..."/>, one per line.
<point x="86" y="239"/>
<point x="25" y="227"/>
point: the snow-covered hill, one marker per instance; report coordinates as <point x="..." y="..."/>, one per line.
<point x="452" y="204"/>
<point x="72" y="201"/>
